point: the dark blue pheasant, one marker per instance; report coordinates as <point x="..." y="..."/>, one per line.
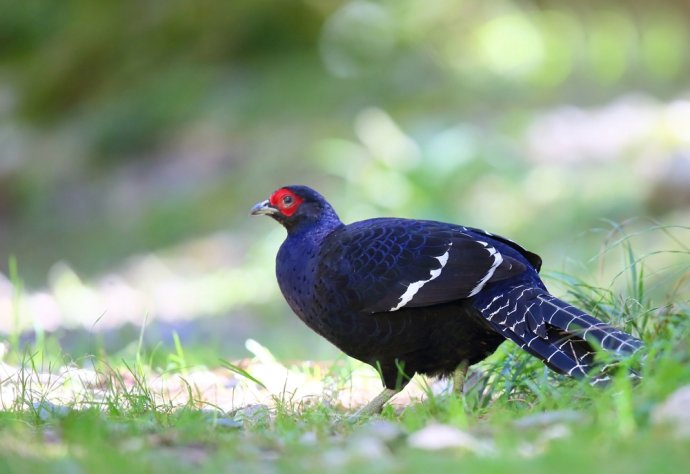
<point x="412" y="296"/>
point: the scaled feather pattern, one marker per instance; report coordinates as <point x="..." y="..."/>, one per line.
<point x="415" y="296"/>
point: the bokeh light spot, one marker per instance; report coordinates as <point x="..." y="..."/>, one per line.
<point x="511" y="45"/>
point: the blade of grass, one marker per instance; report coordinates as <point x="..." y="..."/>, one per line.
<point x="240" y="371"/>
<point x="17" y="289"/>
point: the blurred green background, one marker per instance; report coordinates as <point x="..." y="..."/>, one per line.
<point x="135" y="136"/>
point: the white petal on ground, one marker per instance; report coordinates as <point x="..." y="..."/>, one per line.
<point x="675" y="412"/>
<point x="436" y="437"/>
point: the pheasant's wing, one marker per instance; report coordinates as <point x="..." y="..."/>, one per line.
<point x="387" y="264"/>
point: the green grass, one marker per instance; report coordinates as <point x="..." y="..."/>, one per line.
<point x="520" y="416"/>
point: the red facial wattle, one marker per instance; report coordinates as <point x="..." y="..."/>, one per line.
<point x="278" y="200"/>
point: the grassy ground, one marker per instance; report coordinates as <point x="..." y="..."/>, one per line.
<point x="258" y="415"/>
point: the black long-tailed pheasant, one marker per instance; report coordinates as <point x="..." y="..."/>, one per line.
<point x="413" y="296"/>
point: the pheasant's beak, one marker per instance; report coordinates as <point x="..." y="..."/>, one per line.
<point x="263" y="207"/>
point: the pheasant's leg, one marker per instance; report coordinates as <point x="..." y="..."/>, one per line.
<point x="459" y="377"/>
<point x="376" y="405"/>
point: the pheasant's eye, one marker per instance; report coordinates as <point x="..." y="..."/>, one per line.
<point x="286" y="201"/>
